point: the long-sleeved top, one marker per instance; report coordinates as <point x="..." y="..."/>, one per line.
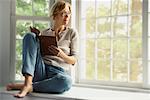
<point x="68" y="43"/>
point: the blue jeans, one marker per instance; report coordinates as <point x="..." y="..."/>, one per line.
<point x="46" y="78"/>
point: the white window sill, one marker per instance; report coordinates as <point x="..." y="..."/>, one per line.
<point x="83" y="93"/>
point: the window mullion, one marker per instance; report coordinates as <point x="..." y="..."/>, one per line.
<point x="111" y="44"/>
<point x="128" y="44"/>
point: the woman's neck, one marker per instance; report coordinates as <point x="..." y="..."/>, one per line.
<point x="58" y="29"/>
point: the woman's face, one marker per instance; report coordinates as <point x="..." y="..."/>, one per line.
<point x="63" y="17"/>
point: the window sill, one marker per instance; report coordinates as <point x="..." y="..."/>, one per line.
<point x="82" y="93"/>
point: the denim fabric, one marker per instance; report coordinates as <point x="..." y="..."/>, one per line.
<point x="46" y="78"/>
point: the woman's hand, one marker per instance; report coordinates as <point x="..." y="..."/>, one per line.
<point x="35" y="30"/>
<point x="58" y="52"/>
<point x="54" y="50"/>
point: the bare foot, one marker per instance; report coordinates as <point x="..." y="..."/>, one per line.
<point x="9" y="87"/>
<point x="12" y="86"/>
<point x="25" y="90"/>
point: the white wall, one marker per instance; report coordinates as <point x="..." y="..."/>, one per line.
<point x="4" y="41"/>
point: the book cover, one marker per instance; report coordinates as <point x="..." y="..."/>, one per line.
<point x="45" y="42"/>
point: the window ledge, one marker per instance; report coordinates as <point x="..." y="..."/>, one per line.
<point x="83" y="93"/>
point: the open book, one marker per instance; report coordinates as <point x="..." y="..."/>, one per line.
<point x="45" y="42"/>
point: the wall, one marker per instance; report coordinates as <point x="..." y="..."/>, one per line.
<point x="4" y="41"/>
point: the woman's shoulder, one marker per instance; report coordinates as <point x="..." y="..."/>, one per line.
<point x="72" y="31"/>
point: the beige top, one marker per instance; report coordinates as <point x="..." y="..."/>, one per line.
<point x="68" y="43"/>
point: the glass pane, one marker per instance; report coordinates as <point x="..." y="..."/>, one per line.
<point x="41" y="7"/>
<point x="24" y="7"/>
<point x="41" y="25"/>
<point x="120" y="49"/>
<point x="120" y="70"/>
<point x="87" y="8"/>
<point x="120" y="27"/>
<point x="19" y="49"/>
<point x="120" y="7"/>
<point x="136" y="71"/>
<point x="90" y="26"/>
<point x="104" y="27"/>
<point x="135" y="6"/>
<point x="18" y="75"/>
<point x="103" y="70"/>
<point x="136" y="48"/>
<point x="90" y="62"/>
<point x="104" y="47"/>
<point x="135" y="26"/>
<point x="103" y="7"/>
<point x="22" y="27"/>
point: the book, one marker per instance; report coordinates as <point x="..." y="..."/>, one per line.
<point x="45" y="42"/>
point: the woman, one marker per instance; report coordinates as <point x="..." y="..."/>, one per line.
<point x="48" y="74"/>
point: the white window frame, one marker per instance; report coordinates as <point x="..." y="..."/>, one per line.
<point x="146" y="69"/>
<point x="14" y="19"/>
<point x="76" y="23"/>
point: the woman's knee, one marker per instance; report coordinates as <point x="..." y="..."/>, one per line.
<point x="29" y="36"/>
<point x="66" y="83"/>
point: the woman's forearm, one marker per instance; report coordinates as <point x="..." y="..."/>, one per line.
<point x="68" y="59"/>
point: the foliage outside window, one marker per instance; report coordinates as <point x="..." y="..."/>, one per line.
<point x="111" y="37"/>
<point x="29" y="13"/>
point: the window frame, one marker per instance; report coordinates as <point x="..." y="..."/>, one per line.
<point x="77" y="5"/>
<point x="14" y="18"/>
<point x="146" y="69"/>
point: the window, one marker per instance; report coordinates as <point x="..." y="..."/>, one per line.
<point x="111" y="37"/>
<point x="29" y="13"/>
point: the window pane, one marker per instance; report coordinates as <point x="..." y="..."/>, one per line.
<point x="120" y="70"/>
<point x="19" y="49"/>
<point x="103" y="7"/>
<point x="120" y="7"/>
<point x="136" y="71"/>
<point x="22" y="27"/>
<point x="135" y="6"/>
<point x="24" y="7"/>
<point x="120" y="26"/>
<point x="90" y="62"/>
<point x="135" y="23"/>
<point x="88" y="15"/>
<point x="103" y="69"/>
<point x="120" y="49"/>
<point x="41" y="25"/>
<point x="104" y="27"/>
<point x="104" y="48"/>
<point x="18" y="75"/>
<point x="87" y="8"/>
<point x="136" y="48"/>
<point x="41" y="7"/>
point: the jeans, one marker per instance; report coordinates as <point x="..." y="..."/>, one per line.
<point x="46" y="78"/>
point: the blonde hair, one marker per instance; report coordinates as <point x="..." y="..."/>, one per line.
<point x="57" y="7"/>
